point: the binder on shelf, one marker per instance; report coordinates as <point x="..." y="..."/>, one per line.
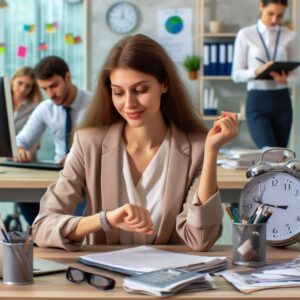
<point x="229" y="58"/>
<point x="214" y="58"/>
<point x="222" y="60"/>
<point x="206" y="59"/>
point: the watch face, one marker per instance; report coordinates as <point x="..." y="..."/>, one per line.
<point x="122" y="17"/>
<point x="280" y="193"/>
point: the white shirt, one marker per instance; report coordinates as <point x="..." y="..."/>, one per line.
<point x="248" y="46"/>
<point x="48" y="114"/>
<point x="149" y="191"/>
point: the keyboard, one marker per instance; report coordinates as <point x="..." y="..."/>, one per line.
<point x="32" y="165"/>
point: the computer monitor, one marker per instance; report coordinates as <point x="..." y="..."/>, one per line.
<point x="8" y="146"/>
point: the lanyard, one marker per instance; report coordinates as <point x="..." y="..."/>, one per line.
<point x="265" y="46"/>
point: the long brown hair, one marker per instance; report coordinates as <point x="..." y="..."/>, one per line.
<point x="35" y="95"/>
<point x="142" y="54"/>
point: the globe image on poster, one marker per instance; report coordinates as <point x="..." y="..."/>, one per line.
<point x="174" y="24"/>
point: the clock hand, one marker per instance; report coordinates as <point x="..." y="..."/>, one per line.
<point x="272" y="205"/>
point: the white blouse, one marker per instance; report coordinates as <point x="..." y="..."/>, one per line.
<point x="248" y="46"/>
<point x="149" y="191"/>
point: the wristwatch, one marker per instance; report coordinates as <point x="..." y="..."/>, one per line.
<point x="103" y="221"/>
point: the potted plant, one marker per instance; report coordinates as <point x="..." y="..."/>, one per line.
<point x="192" y="64"/>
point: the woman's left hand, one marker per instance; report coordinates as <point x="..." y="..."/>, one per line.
<point x="225" y="128"/>
<point x="280" y="77"/>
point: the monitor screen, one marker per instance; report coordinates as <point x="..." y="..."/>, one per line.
<point x="8" y="146"/>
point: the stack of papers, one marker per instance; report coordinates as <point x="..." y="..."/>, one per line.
<point x="142" y="259"/>
<point x="167" y="282"/>
<point x="274" y="276"/>
<point x="245" y="158"/>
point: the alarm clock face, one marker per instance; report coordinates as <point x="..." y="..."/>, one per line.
<point x="122" y="17"/>
<point x="280" y="192"/>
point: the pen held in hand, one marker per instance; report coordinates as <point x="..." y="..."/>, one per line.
<point x="260" y="60"/>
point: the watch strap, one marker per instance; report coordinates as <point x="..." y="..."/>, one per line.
<point x="103" y="221"/>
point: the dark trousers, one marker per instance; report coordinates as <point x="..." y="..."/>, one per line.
<point x="29" y="211"/>
<point x="269" y="117"/>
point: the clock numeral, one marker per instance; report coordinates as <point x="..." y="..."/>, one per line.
<point x="298" y="219"/>
<point x="288" y="227"/>
<point x="287" y="186"/>
<point x="296" y="193"/>
<point x="274" y="182"/>
<point x="275" y="230"/>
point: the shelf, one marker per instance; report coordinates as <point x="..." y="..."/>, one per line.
<point x="219" y="35"/>
<point x="215" y="77"/>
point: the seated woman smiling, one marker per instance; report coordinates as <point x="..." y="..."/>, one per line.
<point x="142" y="159"/>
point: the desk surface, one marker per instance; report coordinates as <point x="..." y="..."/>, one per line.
<point x="55" y="286"/>
<point x="19" y="178"/>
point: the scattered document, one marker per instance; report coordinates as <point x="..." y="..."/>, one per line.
<point x="269" y="277"/>
<point x="167" y="282"/>
<point x="245" y="158"/>
<point x="142" y="259"/>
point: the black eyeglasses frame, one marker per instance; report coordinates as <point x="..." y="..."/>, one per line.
<point x="87" y="276"/>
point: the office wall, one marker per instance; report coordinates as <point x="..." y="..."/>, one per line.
<point x="101" y="39"/>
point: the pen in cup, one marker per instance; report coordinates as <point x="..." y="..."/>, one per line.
<point x="5" y="236"/>
<point x="4" y="232"/>
<point x="28" y="235"/>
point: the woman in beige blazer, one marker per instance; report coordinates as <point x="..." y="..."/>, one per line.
<point x="142" y="160"/>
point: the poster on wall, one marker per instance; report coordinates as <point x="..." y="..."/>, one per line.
<point x="174" y="32"/>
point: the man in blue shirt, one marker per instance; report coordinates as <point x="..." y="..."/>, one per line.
<point x="60" y="113"/>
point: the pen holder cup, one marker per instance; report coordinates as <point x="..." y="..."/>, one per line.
<point x="17" y="263"/>
<point x="249" y="244"/>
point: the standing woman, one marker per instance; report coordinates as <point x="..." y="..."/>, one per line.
<point x="25" y="94"/>
<point x="142" y="159"/>
<point x="268" y="107"/>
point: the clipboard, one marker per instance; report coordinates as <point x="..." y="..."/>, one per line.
<point x="278" y="66"/>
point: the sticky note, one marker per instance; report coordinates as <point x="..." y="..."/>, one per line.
<point x="2" y="48"/>
<point x="43" y="46"/>
<point x="69" y="38"/>
<point x="77" y="39"/>
<point x="22" y="51"/>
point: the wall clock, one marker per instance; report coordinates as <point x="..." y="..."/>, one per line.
<point x="122" y="17"/>
<point x="277" y="186"/>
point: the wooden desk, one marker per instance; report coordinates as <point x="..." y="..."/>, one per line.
<point x="28" y="185"/>
<point x="55" y="286"/>
<point x="24" y="185"/>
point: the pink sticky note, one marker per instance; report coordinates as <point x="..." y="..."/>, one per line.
<point x="22" y="51"/>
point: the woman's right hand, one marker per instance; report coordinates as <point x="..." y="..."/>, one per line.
<point x="263" y="68"/>
<point x="23" y="155"/>
<point x="130" y="217"/>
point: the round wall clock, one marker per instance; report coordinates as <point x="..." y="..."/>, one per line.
<point x="122" y="17"/>
<point x="276" y="186"/>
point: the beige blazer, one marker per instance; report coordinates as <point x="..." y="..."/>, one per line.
<point x="92" y="170"/>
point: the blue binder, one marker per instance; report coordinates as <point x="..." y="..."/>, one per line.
<point x="229" y="58"/>
<point x="222" y="60"/>
<point x="206" y="59"/>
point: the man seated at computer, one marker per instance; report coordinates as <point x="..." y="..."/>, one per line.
<point x="62" y="111"/>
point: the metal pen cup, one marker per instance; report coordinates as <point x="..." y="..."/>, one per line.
<point x="249" y="244"/>
<point x="17" y="263"/>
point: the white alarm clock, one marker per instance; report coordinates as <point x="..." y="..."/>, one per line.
<point x="277" y="186"/>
